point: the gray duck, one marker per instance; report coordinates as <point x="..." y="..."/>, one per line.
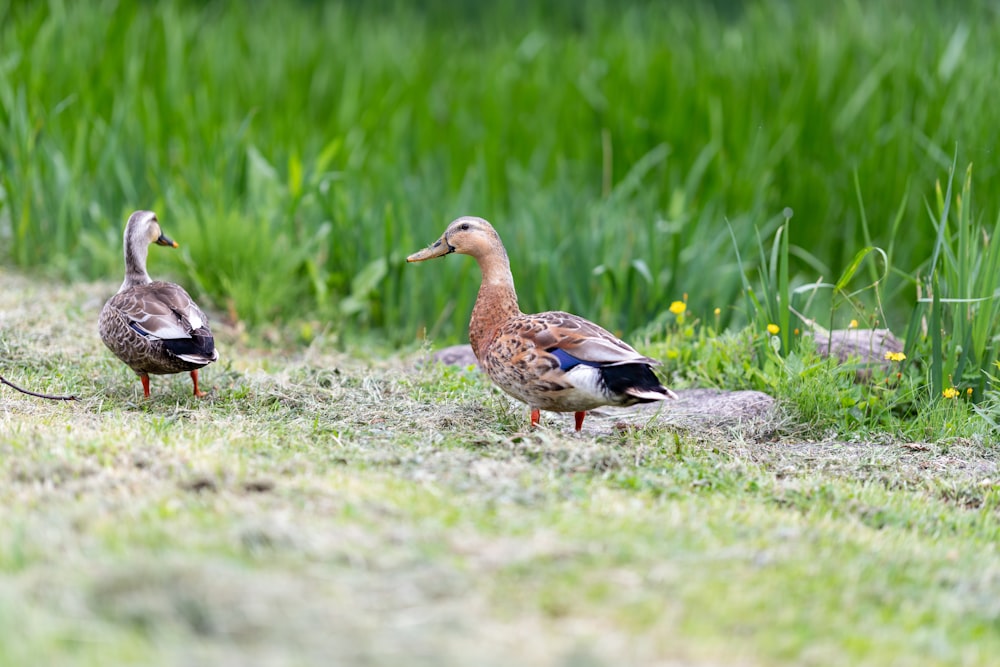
<point x="552" y="361"/>
<point x="154" y="326"/>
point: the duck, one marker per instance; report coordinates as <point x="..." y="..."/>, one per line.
<point x="553" y="361"/>
<point x="154" y="326"/>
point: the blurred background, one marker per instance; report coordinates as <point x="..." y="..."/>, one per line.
<point x="625" y="151"/>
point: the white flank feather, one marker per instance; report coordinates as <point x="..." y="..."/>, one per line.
<point x="587" y="383"/>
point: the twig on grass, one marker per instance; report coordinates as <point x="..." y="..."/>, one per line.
<point x="51" y="397"/>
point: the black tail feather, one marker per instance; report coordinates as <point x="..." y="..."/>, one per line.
<point x="199" y="344"/>
<point x="620" y="379"/>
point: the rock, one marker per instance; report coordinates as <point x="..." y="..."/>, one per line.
<point x="866" y="346"/>
<point x="456" y="355"/>
<point x="702" y="407"/>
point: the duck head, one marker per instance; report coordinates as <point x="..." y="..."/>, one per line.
<point x="467" y="235"/>
<point x="144" y="228"/>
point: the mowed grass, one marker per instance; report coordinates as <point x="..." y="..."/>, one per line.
<point x="321" y="507"/>
<point x="311" y="146"/>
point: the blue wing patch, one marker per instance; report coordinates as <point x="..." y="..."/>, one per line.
<point x="568" y="361"/>
<point x="139" y="330"/>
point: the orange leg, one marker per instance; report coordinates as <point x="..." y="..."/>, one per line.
<point x="535" y="414"/>
<point x="145" y="385"/>
<point x="579" y="419"/>
<point x="194" y="378"/>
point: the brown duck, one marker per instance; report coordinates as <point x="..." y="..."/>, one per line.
<point x="154" y="326"/>
<point x="552" y="361"/>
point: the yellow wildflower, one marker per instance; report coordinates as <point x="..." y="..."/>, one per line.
<point x="678" y="307"/>
<point x="950" y="392"/>
<point x="895" y="356"/>
<point x="853" y="324"/>
<point x="969" y="391"/>
<point x="773" y="329"/>
<point x="717" y="311"/>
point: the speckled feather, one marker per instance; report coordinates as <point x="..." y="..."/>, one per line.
<point x="517" y="350"/>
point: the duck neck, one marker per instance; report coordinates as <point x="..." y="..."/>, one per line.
<point x="496" y="303"/>
<point x="136" y="251"/>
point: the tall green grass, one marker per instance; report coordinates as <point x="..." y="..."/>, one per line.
<point x="299" y="151"/>
<point x="959" y="308"/>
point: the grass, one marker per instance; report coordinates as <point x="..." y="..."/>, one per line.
<point x="324" y="506"/>
<point x="609" y="144"/>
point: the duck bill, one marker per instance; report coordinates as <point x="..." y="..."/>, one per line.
<point x="164" y="240"/>
<point x="439" y="249"/>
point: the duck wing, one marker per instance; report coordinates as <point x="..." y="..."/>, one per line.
<point x="165" y="311"/>
<point x="574" y="340"/>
